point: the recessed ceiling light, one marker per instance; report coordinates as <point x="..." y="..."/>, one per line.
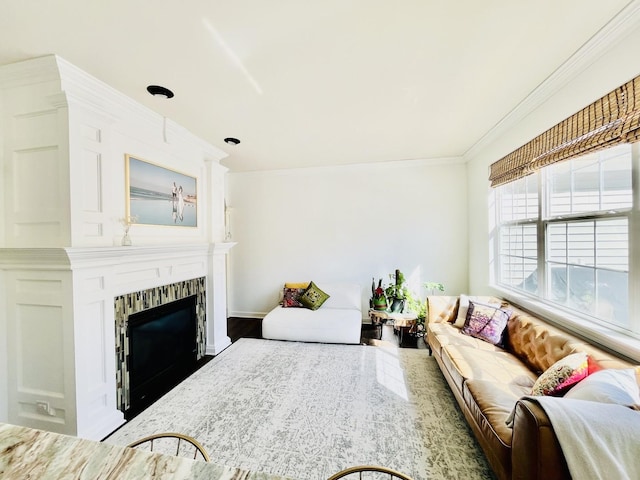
<point x="231" y="141"/>
<point x="159" y="91"/>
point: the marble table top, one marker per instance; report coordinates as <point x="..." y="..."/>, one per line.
<point x="27" y="453"/>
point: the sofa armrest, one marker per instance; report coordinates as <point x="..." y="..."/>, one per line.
<point x="535" y="451"/>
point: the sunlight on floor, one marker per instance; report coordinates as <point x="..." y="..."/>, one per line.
<point x="389" y="372"/>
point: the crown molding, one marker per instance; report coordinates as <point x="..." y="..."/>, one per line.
<point x="29" y="72"/>
<point x="88" y="92"/>
<point x="623" y="24"/>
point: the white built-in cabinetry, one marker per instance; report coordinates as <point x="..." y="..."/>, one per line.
<point x="63" y="140"/>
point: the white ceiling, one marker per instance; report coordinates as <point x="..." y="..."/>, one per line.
<point x="326" y="82"/>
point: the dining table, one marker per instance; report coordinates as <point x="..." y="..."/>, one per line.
<point x="28" y="453"/>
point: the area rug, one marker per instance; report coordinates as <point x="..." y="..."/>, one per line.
<point x="306" y="411"/>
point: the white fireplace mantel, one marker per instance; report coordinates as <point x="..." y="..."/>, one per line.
<point x="95" y="256"/>
<point x="60" y="302"/>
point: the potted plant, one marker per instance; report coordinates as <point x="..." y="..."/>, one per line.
<point x="397" y="292"/>
<point x="378" y="298"/>
<point x="419" y="307"/>
<point x="433" y="286"/>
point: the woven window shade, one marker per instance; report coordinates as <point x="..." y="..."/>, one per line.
<point x="610" y="120"/>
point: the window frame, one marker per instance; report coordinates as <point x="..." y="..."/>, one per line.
<point x="622" y="340"/>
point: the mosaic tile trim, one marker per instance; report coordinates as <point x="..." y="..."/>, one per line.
<point x="135" y="302"/>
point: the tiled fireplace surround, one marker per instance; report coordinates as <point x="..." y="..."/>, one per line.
<point x="136" y="302"/>
<point x="62" y="324"/>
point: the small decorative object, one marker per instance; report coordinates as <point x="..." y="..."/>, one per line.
<point x="126" y="224"/>
<point x="378" y="298"/>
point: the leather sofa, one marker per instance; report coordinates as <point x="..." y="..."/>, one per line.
<point x="488" y="382"/>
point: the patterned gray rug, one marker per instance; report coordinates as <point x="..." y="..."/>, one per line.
<point x="307" y="411"/>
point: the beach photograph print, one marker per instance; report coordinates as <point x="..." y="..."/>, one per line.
<point x="160" y="196"/>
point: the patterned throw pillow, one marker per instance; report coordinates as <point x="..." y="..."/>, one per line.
<point x="313" y="297"/>
<point x="291" y="297"/>
<point x="486" y="322"/>
<point x="463" y="309"/>
<point x="302" y="285"/>
<point x="562" y="375"/>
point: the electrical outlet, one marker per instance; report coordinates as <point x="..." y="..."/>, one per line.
<point x="44" y="408"/>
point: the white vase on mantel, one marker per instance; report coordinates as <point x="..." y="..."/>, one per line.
<point x="126" y="239"/>
<point x="126" y="224"/>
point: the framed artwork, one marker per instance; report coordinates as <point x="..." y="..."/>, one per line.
<point x="157" y="195"/>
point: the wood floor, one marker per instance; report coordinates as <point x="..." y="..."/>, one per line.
<point x="238" y="328"/>
<point x="252" y="328"/>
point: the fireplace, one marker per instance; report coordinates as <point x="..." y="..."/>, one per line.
<point x="163" y="351"/>
<point x="160" y="340"/>
<point x="67" y="310"/>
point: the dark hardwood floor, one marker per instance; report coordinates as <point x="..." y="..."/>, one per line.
<point x="238" y="327"/>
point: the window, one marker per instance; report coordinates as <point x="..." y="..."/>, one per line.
<point x="564" y="236"/>
<point x="518" y="214"/>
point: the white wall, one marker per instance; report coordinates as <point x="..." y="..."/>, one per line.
<point x="573" y="89"/>
<point x="346" y="224"/>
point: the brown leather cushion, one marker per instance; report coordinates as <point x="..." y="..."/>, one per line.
<point x="494" y="402"/>
<point x="440" y="334"/>
<point x="540" y="345"/>
<point x="464" y="362"/>
<point x="537" y="343"/>
<point x="490" y="403"/>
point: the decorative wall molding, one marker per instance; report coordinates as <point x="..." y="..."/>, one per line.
<point x="63" y="177"/>
<point x="222" y="248"/>
<point x="103" y="99"/>
<point x="36" y="70"/>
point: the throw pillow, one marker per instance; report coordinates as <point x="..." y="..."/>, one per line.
<point x="562" y="375"/>
<point x="486" y="322"/>
<point x="302" y="285"/>
<point x="608" y="386"/>
<point x="291" y="297"/>
<point x="463" y="309"/>
<point x="313" y="297"/>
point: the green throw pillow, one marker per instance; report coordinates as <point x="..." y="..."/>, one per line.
<point x="313" y="297"/>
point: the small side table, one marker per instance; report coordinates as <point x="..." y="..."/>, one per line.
<point x="404" y="325"/>
<point x="377" y="319"/>
<point x="407" y="331"/>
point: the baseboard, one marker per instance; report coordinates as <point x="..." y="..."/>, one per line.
<point x="238" y="314"/>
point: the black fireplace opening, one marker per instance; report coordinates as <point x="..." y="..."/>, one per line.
<point x="162" y="351"/>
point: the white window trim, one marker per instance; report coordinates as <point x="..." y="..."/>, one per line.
<point x="617" y="340"/>
<point x="620" y="343"/>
